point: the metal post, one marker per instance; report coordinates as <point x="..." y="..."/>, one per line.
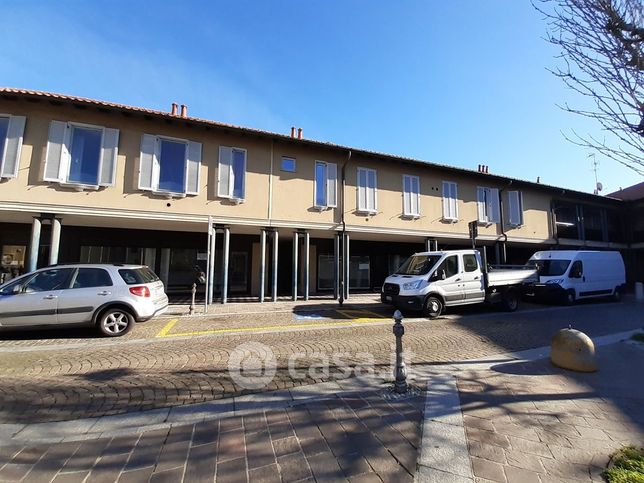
<point x="34" y="245"/>
<point x="262" y="264"/>
<point x="211" y="264"/>
<point x="191" y="309"/>
<point x="224" y="269"/>
<point x="296" y="239"/>
<point x="208" y="274"/>
<point x="275" y="253"/>
<point x="55" y="241"/>
<point x="336" y="266"/>
<point x="345" y="260"/>
<point x="400" y="371"/>
<point x="307" y="241"/>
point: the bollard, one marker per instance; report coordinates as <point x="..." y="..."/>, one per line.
<point x="191" y="309"/>
<point x="400" y="372"/>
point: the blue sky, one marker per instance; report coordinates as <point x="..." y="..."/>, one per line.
<point x="458" y="82"/>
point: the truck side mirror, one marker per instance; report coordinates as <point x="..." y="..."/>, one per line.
<point x="437" y="275"/>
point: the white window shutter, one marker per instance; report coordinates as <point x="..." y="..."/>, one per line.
<point x="494" y="205"/>
<point x="415" y="196"/>
<point x="480" y="203"/>
<point x="406" y="195"/>
<point x="55" y="151"/>
<point x="332" y="185"/>
<point x="446" y="200"/>
<point x="13" y="145"/>
<point x="146" y="162"/>
<point x="224" y="183"/>
<point x="193" y="166"/>
<point x="362" y="190"/>
<point x="374" y="189"/>
<point x="109" y="153"/>
<point x="454" y="200"/>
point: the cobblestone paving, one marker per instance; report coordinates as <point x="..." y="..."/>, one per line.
<point x="531" y="422"/>
<point x="96" y="379"/>
<point x="349" y="438"/>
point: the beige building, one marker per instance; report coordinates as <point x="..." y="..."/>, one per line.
<point x="91" y="181"/>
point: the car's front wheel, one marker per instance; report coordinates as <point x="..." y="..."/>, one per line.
<point x="115" y="322"/>
<point x="433" y="307"/>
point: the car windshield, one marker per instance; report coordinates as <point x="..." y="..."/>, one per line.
<point x="132" y="276"/>
<point x="9" y="287"/>
<point x="550" y="267"/>
<point x="418" y="265"/>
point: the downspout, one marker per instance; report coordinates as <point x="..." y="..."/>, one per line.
<point x="270" y="187"/>
<point x="503" y="233"/>
<point x="344" y="225"/>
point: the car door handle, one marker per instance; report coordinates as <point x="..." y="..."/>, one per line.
<point x="476" y="278"/>
<point x="457" y="280"/>
<point x="104" y="292"/>
<point x="50" y="297"/>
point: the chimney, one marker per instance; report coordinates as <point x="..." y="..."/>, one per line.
<point x="486" y="168"/>
<point x="292" y="131"/>
<point x="175" y="109"/>
<point x="184" y="110"/>
<point x="299" y="133"/>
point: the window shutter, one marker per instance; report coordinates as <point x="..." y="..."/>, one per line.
<point x="493" y="200"/>
<point x="332" y="183"/>
<point x="453" y="202"/>
<point x="55" y="149"/>
<point x="406" y="195"/>
<point x="13" y="145"/>
<point x="224" y="186"/>
<point x="373" y="200"/>
<point x="446" y="200"/>
<point x="192" y="168"/>
<point x="146" y="162"/>
<point x="362" y="190"/>
<point x="415" y="195"/>
<point x="514" y="200"/>
<point x="108" y="157"/>
<point x="480" y="203"/>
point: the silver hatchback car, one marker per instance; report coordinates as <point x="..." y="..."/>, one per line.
<point x="109" y="296"/>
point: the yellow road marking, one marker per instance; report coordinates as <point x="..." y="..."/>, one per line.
<point x="348" y="313"/>
<point x="167" y="328"/>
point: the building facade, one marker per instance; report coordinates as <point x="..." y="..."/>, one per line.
<point x="244" y="212"/>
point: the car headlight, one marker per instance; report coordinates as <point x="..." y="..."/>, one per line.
<point x="555" y="281"/>
<point x="412" y="285"/>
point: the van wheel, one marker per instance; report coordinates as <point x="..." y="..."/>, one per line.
<point x="115" y="322"/>
<point x="510" y="301"/>
<point x="433" y="307"/>
<point x="569" y="298"/>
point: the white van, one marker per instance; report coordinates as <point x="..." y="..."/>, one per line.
<point x="570" y="275"/>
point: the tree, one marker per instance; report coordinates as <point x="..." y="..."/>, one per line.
<point x="602" y="58"/>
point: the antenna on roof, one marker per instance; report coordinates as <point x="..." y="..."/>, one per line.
<point x="595" y="164"/>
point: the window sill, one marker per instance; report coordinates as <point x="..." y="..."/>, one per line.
<point x="321" y="208"/>
<point x="450" y="220"/>
<point x="169" y="195"/>
<point x="409" y="216"/>
<point x="80" y="187"/>
<point x="367" y="212"/>
<point x="486" y="223"/>
<point x="233" y="201"/>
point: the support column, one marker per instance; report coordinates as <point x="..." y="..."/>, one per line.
<point x="55" y="241"/>
<point x="336" y="266"/>
<point x="346" y="256"/>
<point x="262" y="264"/>
<point x="224" y="268"/>
<point x="296" y="239"/>
<point x="164" y="274"/>
<point x="34" y="245"/>
<point x="275" y="253"/>
<point x="211" y="264"/>
<point x="431" y="245"/>
<point x="307" y="242"/>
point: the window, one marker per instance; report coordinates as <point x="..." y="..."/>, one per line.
<point x="92" y="277"/>
<point x="367" y="183"/>
<point x="488" y="205"/>
<point x="81" y="155"/>
<point x="132" y="276"/>
<point x="47" y="280"/>
<point x="450" y="204"/>
<point x="515" y="202"/>
<point x="470" y="263"/>
<point x="232" y="173"/>
<point x="449" y="266"/>
<point x="11" y="131"/>
<point x="326" y="180"/>
<point x="169" y="166"/>
<point x="411" y="195"/>
<point x="288" y="164"/>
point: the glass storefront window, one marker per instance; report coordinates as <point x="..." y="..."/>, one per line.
<point x="325" y="272"/>
<point x="359" y="272"/>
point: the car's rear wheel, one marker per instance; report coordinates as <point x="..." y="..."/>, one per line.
<point x="510" y="301"/>
<point x="115" y="322"/>
<point x="569" y="297"/>
<point x="433" y="307"/>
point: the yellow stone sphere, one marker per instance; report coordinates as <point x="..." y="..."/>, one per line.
<point x="574" y="350"/>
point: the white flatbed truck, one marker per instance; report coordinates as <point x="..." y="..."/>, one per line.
<point x="430" y="281"/>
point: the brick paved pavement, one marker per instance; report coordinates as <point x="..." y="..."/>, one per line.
<point x="355" y="437"/>
<point x="51" y="385"/>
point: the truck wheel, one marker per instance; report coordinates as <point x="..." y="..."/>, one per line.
<point x="433" y="307"/>
<point x="569" y="297"/>
<point x="510" y="301"/>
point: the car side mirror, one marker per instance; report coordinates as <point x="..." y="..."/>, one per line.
<point x="16" y="289"/>
<point x="575" y="273"/>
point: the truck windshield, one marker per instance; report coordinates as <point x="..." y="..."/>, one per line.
<point x="418" y="265"/>
<point x="549" y="268"/>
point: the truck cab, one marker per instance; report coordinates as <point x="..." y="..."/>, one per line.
<point x="430" y="281"/>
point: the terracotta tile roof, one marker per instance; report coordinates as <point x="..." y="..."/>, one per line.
<point x="258" y="132"/>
